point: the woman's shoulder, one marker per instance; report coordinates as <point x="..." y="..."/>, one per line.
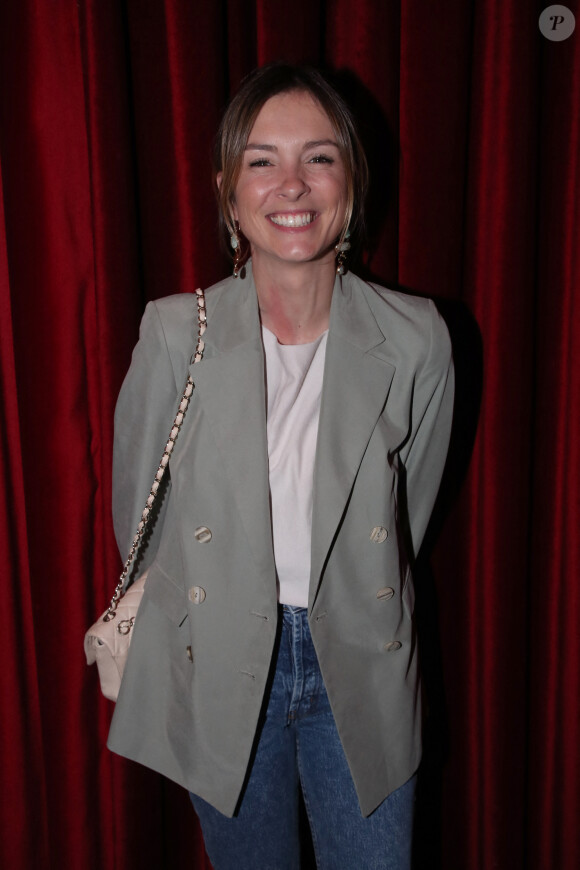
<point x="407" y="318"/>
<point x="176" y="315"/>
<point x="173" y="309"/>
<point x="390" y="302"/>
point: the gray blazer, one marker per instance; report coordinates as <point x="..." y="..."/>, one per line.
<point x="203" y="639"/>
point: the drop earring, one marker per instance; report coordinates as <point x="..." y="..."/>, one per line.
<point x="341" y="249"/>
<point x="237" y="246"/>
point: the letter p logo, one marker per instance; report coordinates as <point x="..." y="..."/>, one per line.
<point x="557" y="23"/>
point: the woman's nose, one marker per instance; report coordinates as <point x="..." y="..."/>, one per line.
<point x="293" y="185"/>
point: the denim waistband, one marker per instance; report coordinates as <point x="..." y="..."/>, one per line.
<point x="298" y="688"/>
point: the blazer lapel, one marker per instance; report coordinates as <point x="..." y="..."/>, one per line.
<point x="357" y="379"/>
<point x="229" y="384"/>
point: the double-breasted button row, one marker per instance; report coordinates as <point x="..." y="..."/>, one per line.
<point x="379" y="534"/>
<point x="386" y="594"/>
<point x="204" y="536"/>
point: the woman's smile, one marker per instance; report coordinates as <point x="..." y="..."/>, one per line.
<point x="293" y="220"/>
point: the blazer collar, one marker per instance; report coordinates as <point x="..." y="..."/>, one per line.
<point x="234" y="320"/>
<point x="357" y="379"/>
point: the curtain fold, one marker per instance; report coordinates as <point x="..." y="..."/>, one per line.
<point x="554" y="626"/>
<point x="488" y="718"/>
<point x="176" y="55"/>
<point x="50" y="252"/>
<point x="470" y="117"/>
<point x="21" y="747"/>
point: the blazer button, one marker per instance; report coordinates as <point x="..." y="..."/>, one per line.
<point x="189" y="653"/>
<point x="379" y="534"/>
<point x="385" y="594"/>
<point x="392" y="646"/>
<point x="197" y="594"/>
<point x="202" y="534"/>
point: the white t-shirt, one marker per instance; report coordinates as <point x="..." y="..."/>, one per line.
<point x="293" y="389"/>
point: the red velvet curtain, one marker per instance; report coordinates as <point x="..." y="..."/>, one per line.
<point x="472" y="119"/>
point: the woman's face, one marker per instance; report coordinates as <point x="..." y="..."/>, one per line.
<point x="291" y="196"/>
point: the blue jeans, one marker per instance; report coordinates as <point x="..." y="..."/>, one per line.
<point x="298" y="747"/>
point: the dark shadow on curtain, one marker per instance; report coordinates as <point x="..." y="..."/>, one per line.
<point x="382" y="151"/>
<point x="468" y="360"/>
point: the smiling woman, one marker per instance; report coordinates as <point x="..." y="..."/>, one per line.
<point x="291" y="198"/>
<point x="237" y="133"/>
<point x="274" y="650"/>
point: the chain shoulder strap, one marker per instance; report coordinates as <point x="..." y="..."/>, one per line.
<point x="176" y="426"/>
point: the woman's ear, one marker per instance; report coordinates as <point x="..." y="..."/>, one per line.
<point x="233" y="209"/>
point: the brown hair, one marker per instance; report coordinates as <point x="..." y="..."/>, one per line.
<point x="241" y="114"/>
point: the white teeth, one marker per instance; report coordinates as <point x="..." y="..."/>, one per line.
<point x="292" y="220"/>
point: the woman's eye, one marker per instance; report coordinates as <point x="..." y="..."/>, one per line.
<point x="321" y="158"/>
<point x="262" y="161"/>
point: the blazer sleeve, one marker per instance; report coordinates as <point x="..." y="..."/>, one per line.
<point x="424" y="453"/>
<point x="144" y="412"/>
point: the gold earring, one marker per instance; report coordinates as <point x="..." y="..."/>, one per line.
<point x="341" y="248"/>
